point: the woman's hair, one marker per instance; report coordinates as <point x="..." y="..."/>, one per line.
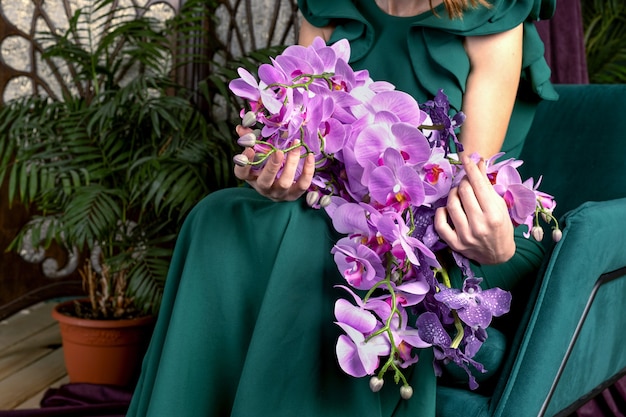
<point x="455" y="8"/>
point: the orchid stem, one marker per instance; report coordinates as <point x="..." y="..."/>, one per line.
<point x="458" y="338"/>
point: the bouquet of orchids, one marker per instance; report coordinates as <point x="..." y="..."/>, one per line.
<point x="384" y="164"/>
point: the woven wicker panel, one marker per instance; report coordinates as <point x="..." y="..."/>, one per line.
<point x="247" y="25"/>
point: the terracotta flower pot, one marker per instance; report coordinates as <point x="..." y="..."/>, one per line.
<point x="106" y="352"/>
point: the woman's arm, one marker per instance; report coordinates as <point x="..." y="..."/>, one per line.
<point x="495" y="67"/>
<point x="308" y="32"/>
<point x="476" y="221"/>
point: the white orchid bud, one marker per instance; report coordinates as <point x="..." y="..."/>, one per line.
<point x="241" y="160"/>
<point x="376" y="384"/>
<point x="406" y="392"/>
<point x="537" y="232"/>
<point x="312" y="198"/>
<point x="249" y="119"/>
<point x="248" y="140"/>
<point x="325" y="201"/>
<point x="557" y="234"/>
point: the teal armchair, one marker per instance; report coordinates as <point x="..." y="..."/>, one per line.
<point x="571" y="343"/>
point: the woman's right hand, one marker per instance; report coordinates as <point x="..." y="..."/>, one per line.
<point x="284" y="188"/>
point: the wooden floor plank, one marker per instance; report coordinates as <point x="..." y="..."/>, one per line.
<point x="29" y="350"/>
<point x="25" y="323"/>
<point x="35" y="400"/>
<point x="31" y="356"/>
<point x="29" y="381"/>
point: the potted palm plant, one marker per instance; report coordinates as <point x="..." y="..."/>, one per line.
<point x="111" y="168"/>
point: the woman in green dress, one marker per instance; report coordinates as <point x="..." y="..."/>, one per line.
<point x="246" y="323"/>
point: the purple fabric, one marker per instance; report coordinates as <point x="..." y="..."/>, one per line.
<point x="563" y="36"/>
<point x="79" y="400"/>
<point x="609" y="403"/>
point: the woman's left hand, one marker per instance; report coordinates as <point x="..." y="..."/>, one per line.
<point x="476" y="221"/>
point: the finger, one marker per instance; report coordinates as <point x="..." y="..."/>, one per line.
<point x="477" y="177"/>
<point x="287" y="176"/>
<point x="443" y="228"/>
<point x="456" y="212"/>
<point x="468" y="200"/>
<point x="267" y="176"/>
<point x="308" y="170"/>
<point x="242" y="130"/>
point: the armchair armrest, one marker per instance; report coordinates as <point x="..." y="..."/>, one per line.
<point x="593" y="244"/>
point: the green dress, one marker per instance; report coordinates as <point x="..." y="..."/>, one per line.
<point x="246" y="323"/>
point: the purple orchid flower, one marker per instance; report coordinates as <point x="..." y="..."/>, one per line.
<point x="410" y="293"/>
<point x="438" y="110"/>
<point x="395" y="184"/>
<point x="378" y="305"/>
<point x="360" y="266"/>
<point x="319" y="57"/>
<point x="351" y="218"/>
<point x="318" y="111"/>
<point x="333" y="134"/>
<point x="376" y="138"/>
<point x="473" y="339"/>
<point x="406" y="338"/>
<point x="432" y="331"/>
<point x="520" y="200"/>
<point x="474" y="306"/>
<point x="394" y="230"/>
<point x="359" y="317"/>
<point x="356" y="174"/>
<point x="437" y="175"/>
<point x="545" y="201"/>
<point x="356" y="317"/>
<point x="399" y="103"/>
<point x="245" y="87"/>
<point x="358" y="354"/>
<point x="280" y="121"/>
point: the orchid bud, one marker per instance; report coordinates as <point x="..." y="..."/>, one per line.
<point x="557" y="234"/>
<point x="312" y="198"/>
<point x="537" y="232"/>
<point x="376" y="383"/>
<point x="325" y="201"/>
<point x="241" y="160"/>
<point x="247" y="141"/>
<point x="249" y="119"/>
<point x="406" y="392"/>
